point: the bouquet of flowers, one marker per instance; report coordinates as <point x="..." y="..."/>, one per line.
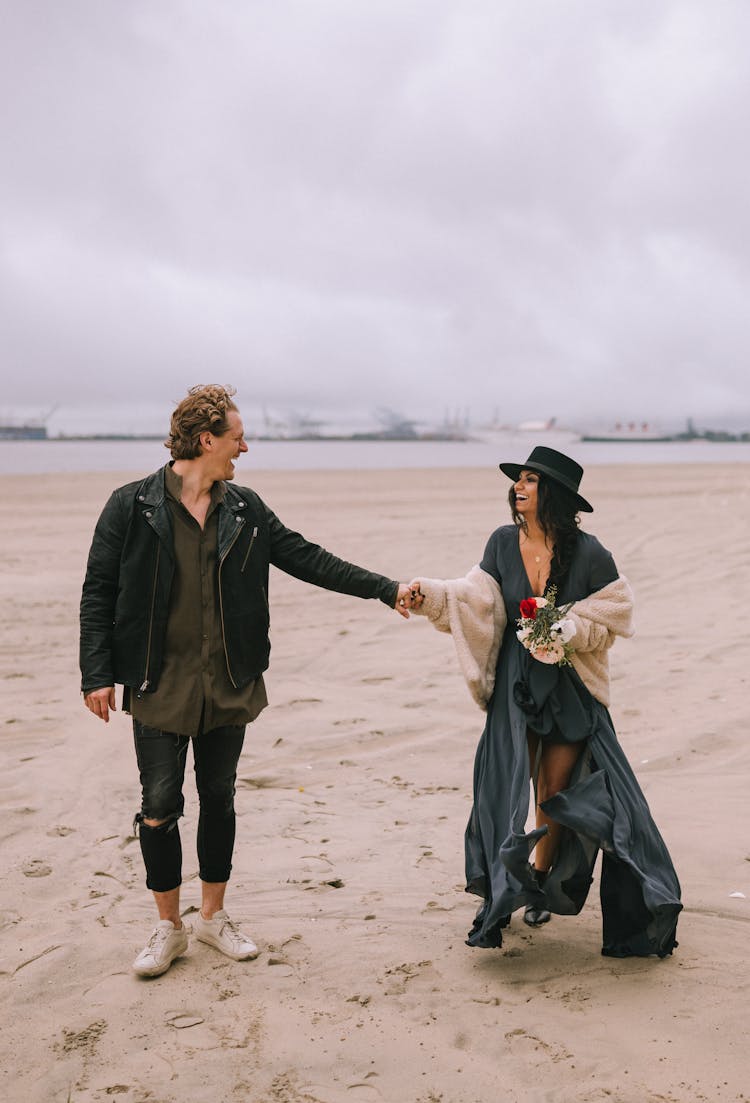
<point x="544" y="630"/>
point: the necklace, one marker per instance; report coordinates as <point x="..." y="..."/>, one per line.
<point x="537" y="558"/>
<point x="541" y="560"/>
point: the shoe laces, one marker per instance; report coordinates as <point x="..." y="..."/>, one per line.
<point x="159" y="936"/>
<point x="235" y="934"/>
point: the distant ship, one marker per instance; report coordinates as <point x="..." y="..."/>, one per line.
<point x="537" y="425"/>
<point x="626" y="431"/>
<point x="514" y="435"/>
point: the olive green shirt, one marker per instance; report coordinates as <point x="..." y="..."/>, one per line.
<point x="195" y="693"/>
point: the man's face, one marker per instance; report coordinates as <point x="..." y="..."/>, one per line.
<point x="224" y="450"/>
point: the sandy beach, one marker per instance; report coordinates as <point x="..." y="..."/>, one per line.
<point x="355" y="786"/>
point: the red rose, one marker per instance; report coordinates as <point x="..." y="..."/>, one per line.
<point x="528" y="608"/>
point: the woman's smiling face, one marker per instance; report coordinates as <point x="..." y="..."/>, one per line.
<point x="526" y="489"/>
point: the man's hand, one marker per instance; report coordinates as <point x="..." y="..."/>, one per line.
<point x="403" y="600"/>
<point x="101" y="702"/>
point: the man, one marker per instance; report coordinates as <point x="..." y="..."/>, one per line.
<point x="175" y="608"/>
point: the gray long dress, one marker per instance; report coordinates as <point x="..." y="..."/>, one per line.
<point x="603" y="808"/>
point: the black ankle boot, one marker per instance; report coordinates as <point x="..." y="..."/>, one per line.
<point x="536" y="911"/>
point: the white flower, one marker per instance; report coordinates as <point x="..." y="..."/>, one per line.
<point x="545" y="634"/>
<point x="564" y="629"/>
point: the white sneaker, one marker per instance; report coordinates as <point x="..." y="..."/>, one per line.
<point x="222" y="933"/>
<point x="165" y="944"/>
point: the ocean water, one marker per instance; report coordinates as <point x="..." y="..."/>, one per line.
<point x="139" y="456"/>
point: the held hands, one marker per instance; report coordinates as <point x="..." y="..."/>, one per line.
<point x="408" y="597"/>
<point x="101" y="702"/>
<point x="417" y="597"/>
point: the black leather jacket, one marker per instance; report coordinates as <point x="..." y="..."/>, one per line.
<point x="125" y="599"/>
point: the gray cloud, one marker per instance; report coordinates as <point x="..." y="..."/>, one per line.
<point x="537" y="208"/>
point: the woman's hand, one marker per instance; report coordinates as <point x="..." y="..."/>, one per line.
<point x="417" y="597"/>
<point x="404" y="600"/>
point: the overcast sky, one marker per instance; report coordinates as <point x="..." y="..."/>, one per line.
<point x="536" y="208"/>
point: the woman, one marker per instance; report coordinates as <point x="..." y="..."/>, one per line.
<point x="551" y="721"/>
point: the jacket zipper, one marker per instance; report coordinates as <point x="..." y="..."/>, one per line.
<point x="221" y="600"/>
<point x="144" y="687"/>
<point x="249" y="549"/>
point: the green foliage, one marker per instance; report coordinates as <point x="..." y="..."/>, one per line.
<point x="542" y="631"/>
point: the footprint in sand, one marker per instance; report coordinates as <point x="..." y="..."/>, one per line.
<point x="575" y="998"/>
<point x="286" y="1088"/>
<point x="434" y="906"/>
<point x="520" y="1040"/>
<point x="182" y="1021"/>
<point x="85" y="1040"/>
<point x="37" y="868"/>
<point x="397" y="978"/>
<point x="363" y="1091"/>
<point x="262" y="782"/>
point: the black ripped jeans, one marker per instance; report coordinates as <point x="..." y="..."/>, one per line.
<point x="161" y="761"/>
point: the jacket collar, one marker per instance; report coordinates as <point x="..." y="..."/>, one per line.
<point x="151" y="491"/>
<point x="233" y="500"/>
<point x="151" y="498"/>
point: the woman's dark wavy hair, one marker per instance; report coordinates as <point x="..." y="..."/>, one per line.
<point x="557" y="514"/>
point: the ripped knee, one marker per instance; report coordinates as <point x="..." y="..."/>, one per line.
<point x="168" y="823"/>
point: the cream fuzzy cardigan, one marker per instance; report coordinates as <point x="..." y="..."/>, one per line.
<point x="473" y="611"/>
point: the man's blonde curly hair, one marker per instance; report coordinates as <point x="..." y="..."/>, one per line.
<point x="204" y="410"/>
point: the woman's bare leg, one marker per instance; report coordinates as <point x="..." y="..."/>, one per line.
<point x="555" y="769"/>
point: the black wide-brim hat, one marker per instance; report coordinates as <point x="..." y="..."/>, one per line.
<point x="555" y="465"/>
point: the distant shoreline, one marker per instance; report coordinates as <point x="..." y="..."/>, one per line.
<point x="130" y="454"/>
<point x="718" y="436"/>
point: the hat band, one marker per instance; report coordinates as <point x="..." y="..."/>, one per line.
<point x="556" y="475"/>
